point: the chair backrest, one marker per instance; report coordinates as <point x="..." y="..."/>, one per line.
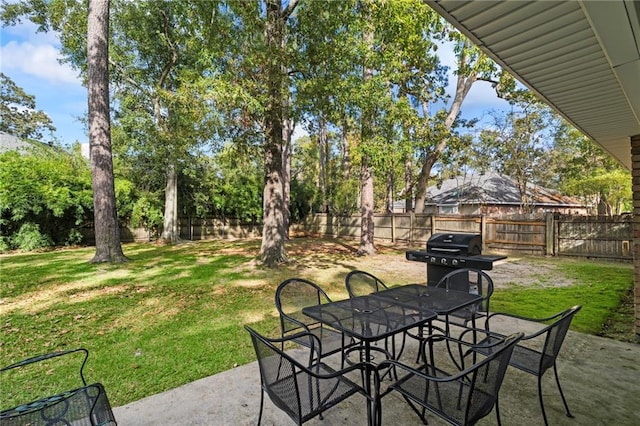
<point x="86" y="405"/>
<point x="361" y="283"/>
<point x="555" y="334"/>
<point x="470" y="280"/>
<point x="291" y="296"/>
<point x="278" y="375"/>
<point x="486" y="379"/>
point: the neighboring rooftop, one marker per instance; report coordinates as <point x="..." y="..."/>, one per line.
<point x="12" y="143"/>
<point x="495" y="189"/>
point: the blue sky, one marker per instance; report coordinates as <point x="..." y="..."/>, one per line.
<point x="30" y="59"/>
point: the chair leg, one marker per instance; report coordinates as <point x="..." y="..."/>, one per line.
<point x="420" y="336"/>
<point x="261" y="406"/>
<point x="564" y="401"/>
<point x="498" y="410"/>
<point x="544" y="414"/>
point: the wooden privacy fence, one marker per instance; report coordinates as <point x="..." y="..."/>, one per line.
<point x="551" y="234"/>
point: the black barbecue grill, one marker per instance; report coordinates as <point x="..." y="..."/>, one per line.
<point x="448" y="251"/>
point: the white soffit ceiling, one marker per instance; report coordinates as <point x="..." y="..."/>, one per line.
<point x="581" y="57"/>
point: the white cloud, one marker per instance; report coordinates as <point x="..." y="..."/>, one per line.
<point x="28" y="31"/>
<point x="37" y="60"/>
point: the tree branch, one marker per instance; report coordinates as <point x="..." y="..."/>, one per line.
<point x="289" y="9"/>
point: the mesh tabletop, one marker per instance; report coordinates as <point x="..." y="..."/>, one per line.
<point x="369" y="318"/>
<point x="421" y="297"/>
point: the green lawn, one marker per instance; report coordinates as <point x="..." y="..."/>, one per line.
<point x="175" y="314"/>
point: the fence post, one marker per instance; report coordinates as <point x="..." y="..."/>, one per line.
<point x="483" y="231"/>
<point x="393" y="228"/>
<point x="433" y="224"/>
<point x="412" y="223"/>
<point x="549" y="234"/>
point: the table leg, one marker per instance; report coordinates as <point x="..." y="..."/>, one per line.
<point x="371" y="416"/>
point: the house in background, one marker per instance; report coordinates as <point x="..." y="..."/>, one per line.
<point x="492" y="194"/>
<point x="12" y="143"/>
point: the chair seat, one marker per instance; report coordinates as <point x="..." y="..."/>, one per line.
<point x="332" y="340"/>
<point x="522" y="358"/>
<point x="314" y="395"/>
<point x="445" y="399"/>
<point x="301" y="386"/>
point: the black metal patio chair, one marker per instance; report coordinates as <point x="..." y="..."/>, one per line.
<point x="86" y="405"/>
<point x="296" y="293"/>
<point x="538" y="351"/>
<point x="303" y="387"/>
<point x="458" y="394"/>
<point x="472" y="281"/>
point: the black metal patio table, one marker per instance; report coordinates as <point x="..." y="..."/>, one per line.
<point x="369" y="319"/>
<point x="420" y="296"/>
<point x="386" y="313"/>
<point x="438" y="299"/>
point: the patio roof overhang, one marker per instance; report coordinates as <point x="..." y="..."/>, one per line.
<point x="581" y="57"/>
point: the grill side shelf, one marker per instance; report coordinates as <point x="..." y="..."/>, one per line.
<point x="477" y="262"/>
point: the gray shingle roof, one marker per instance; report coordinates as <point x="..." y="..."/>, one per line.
<point x="12" y="143"/>
<point x="492" y="188"/>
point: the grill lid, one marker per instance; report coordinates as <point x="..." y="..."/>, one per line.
<point x="455" y="244"/>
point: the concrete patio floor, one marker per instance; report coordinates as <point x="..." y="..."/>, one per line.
<point x="600" y="378"/>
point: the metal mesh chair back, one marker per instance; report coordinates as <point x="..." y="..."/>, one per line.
<point x="296" y="293"/>
<point x="555" y="337"/>
<point x="472" y="281"/>
<point x="86" y="405"/>
<point x="462" y="398"/>
<point x="487" y="380"/>
<point x="301" y="387"/>
<point x="291" y="296"/>
<point x="361" y="283"/>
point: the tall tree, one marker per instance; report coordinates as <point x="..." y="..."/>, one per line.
<point x="517" y="143"/>
<point x="168" y="88"/>
<point x="588" y="172"/>
<point x="18" y="114"/>
<point x="472" y="65"/>
<point x="272" y="249"/>
<point x="107" y="231"/>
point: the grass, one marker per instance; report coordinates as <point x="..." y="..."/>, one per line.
<point x="602" y="289"/>
<point x="175" y="314"/>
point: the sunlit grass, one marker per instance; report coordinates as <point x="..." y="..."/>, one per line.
<point x="599" y="287"/>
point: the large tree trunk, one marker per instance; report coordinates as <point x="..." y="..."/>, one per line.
<point x="323" y="150"/>
<point x="286" y="175"/>
<point x="273" y="230"/>
<point x="366" y="178"/>
<point x="366" y="211"/>
<point x="408" y="185"/>
<point x="170" y="231"/>
<point x="107" y="232"/>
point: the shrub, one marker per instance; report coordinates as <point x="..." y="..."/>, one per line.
<point x="30" y="238"/>
<point x="75" y="237"/>
<point x="5" y="244"/>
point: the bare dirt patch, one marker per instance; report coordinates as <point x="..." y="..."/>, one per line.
<point x="527" y="272"/>
<point x="391" y="265"/>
